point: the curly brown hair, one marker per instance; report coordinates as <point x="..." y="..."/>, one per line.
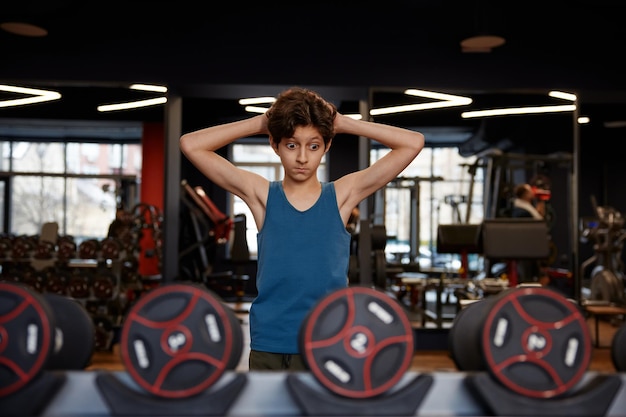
<point x="300" y="107"/>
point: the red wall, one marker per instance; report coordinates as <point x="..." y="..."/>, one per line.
<point x="152" y="176"/>
<point x="152" y="183"/>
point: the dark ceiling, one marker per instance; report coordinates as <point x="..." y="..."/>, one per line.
<point x="346" y="49"/>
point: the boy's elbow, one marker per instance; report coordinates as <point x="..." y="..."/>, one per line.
<point x="184" y="143"/>
<point x="418" y="142"/>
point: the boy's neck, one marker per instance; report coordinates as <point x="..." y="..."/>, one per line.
<point x="302" y="195"/>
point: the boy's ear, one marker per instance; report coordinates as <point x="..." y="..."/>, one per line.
<point x="274" y="145"/>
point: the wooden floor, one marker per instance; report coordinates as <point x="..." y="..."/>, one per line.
<point x="423" y="361"/>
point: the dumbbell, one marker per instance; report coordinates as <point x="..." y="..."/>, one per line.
<point x="532" y="340"/>
<point x="357" y="342"/>
<point x="178" y="339"/>
<point x="40" y="332"/>
<point x="618" y="349"/>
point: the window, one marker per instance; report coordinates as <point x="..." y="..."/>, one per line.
<point x="77" y="185"/>
<point x="437" y="185"/>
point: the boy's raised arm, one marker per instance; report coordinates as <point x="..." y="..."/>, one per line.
<point x="405" y="145"/>
<point x="200" y="148"/>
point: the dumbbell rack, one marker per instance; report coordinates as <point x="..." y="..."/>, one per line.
<point x="104" y="393"/>
<point x="590" y="400"/>
<point x="100" y="313"/>
<point x="401" y="402"/>
<point x="124" y="400"/>
<point x="99" y="306"/>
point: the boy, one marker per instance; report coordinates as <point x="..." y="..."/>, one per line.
<point x="303" y="244"/>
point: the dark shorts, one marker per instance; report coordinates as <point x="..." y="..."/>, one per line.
<point x="266" y="361"/>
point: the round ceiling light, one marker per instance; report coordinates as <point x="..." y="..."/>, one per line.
<point x="483" y="43"/>
<point x="23" y="29"/>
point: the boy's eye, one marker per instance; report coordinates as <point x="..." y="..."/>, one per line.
<point x="315" y="146"/>
<point x="291" y="146"/>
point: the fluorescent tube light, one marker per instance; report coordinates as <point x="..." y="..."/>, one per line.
<point x="438" y="96"/>
<point x="256" y="100"/>
<point x="148" y="87"/>
<point x="562" y="95"/>
<point x="132" y="104"/>
<point x="517" y="110"/>
<point x="37" y="96"/>
<point x="256" y="109"/>
<point x="445" y="100"/>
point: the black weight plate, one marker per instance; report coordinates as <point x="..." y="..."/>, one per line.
<point x="464" y="342"/>
<point x="237" y="335"/>
<point x="74" y="335"/>
<point x="536" y="342"/>
<point x="618" y="349"/>
<point x="26" y="335"/>
<point x="178" y="339"/>
<point x="358" y="342"/>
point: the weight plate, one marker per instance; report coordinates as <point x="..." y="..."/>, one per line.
<point x="380" y="269"/>
<point x="74" y="335"/>
<point x="618" y="349"/>
<point x="235" y="324"/>
<point x="88" y="249"/>
<point x="57" y="283"/>
<point x="178" y="339"/>
<point x="111" y="248"/>
<point x="536" y="342"/>
<point x="26" y="335"/>
<point x="464" y="336"/>
<point x="79" y="285"/>
<point x="358" y="342"/>
<point x="104" y="285"/>
<point x="66" y="248"/>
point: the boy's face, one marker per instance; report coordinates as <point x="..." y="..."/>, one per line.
<point x="301" y="154"/>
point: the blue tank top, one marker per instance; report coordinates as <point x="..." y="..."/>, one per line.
<point x="302" y="256"/>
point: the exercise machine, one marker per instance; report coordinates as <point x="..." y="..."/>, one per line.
<point x="606" y="231"/>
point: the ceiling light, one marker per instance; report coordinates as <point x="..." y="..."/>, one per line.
<point x="483" y="43"/>
<point x="132" y="104"/>
<point x="517" y="110"/>
<point x="37" y="96"/>
<point x="256" y="109"/>
<point x="139" y="103"/>
<point x="256" y="100"/>
<point x="583" y="120"/>
<point x="24" y="29"/>
<point x="148" y="87"/>
<point x="563" y="95"/>
<point x="444" y="100"/>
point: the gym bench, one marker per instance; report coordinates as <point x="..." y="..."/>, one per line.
<point x="602" y="311"/>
